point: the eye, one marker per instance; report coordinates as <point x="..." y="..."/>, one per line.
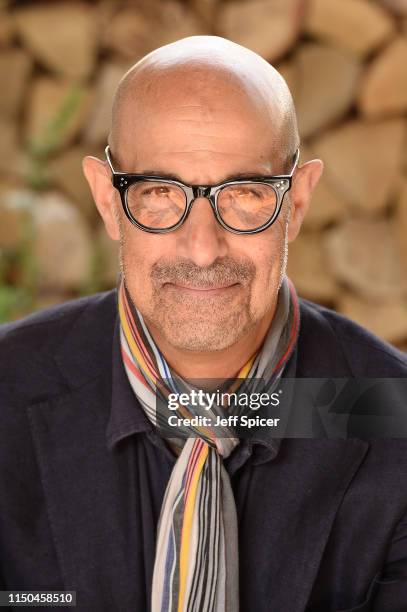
<point x="156" y="190"/>
<point x="252" y="191"/>
<point x="247" y="191"/>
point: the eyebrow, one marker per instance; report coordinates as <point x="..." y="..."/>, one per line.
<point x="232" y="177"/>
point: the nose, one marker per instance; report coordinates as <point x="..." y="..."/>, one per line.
<point x="201" y="238"/>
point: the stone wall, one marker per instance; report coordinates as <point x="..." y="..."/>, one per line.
<point x="345" y="62"/>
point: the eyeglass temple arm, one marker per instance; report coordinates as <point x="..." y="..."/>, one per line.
<point x="296" y="160"/>
<point x="109" y="159"/>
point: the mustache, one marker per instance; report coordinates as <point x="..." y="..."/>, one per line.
<point x="223" y="271"/>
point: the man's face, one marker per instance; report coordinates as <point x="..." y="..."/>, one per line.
<point x="201" y="287"/>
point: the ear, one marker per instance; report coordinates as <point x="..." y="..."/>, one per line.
<point x="99" y="178"/>
<point x="304" y="182"/>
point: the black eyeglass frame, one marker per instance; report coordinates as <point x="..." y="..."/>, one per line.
<point x="281" y="183"/>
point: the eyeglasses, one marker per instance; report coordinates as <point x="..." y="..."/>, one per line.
<point x="159" y="205"/>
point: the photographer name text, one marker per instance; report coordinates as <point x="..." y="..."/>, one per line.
<point x="230" y="421"/>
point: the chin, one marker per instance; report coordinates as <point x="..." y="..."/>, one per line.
<point x="204" y="336"/>
<point x="199" y="344"/>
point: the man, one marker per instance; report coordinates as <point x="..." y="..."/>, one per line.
<point x="203" y="189"/>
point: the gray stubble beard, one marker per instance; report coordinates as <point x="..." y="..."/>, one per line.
<point x="208" y="332"/>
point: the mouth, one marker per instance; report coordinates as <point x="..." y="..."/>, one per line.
<point x="201" y="291"/>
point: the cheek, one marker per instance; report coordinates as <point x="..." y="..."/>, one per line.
<point x="268" y="255"/>
<point x="139" y="251"/>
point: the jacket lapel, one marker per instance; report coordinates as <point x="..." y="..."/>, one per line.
<point x="306" y="491"/>
<point x="68" y="434"/>
<point x="80" y="478"/>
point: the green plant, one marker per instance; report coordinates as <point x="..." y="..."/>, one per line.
<point x="18" y="276"/>
<point x="41" y="148"/>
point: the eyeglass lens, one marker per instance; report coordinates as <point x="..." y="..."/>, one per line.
<point x="159" y="205"/>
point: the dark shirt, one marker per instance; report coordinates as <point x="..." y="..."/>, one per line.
<point x="83" y="474"/>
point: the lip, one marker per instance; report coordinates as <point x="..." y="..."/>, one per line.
<point x="202" y="291"/>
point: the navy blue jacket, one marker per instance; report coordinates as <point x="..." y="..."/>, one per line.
<point x="322" y="522"/>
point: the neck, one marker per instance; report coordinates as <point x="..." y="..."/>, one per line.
<point x="225" y="363"/>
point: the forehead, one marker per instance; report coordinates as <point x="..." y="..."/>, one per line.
<point x="173" y="121"/>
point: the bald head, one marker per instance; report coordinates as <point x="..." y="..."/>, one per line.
<point x="204" y="72"/>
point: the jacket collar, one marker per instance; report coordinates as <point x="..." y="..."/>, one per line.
<point x="126" y="415"/>
<point x="91" y="349"/>
<point x="85" y="351"/>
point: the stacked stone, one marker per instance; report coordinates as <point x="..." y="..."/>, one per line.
<point x="345" y="62"/>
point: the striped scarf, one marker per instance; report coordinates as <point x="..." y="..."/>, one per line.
<point x="196" y="560"/>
